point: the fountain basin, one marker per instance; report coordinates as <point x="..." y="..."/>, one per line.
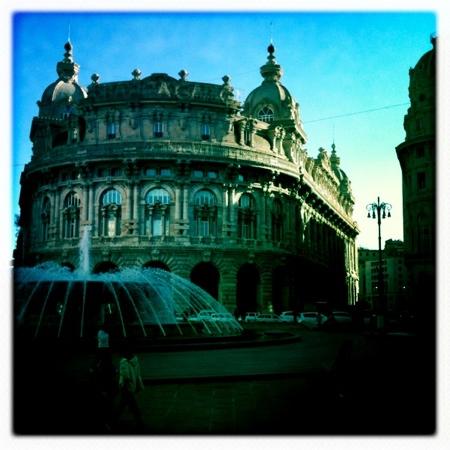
<point x="53" y="303"/>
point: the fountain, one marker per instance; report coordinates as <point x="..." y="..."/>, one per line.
<point x="53" y="302"/>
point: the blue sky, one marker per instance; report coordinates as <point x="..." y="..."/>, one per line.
<point x="335" y="64"/>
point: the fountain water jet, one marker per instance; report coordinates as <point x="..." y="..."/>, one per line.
<point x="53" y="302"/>
<point x="84" y="262"/>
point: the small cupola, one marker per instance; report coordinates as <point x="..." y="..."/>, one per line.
<point x="271" y="102"/>
<point x="65" y="90"/>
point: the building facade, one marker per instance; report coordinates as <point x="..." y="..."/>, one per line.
<point x="177" y="174"/>
<point x="394" y="276"/>
<point x="417" y="157"/>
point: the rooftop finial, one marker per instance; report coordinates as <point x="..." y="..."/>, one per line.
<point x="433" y="38"/>
<point x="67" y="69"/>
<point x="334" y="158"/>
<point x="271" y="71"/>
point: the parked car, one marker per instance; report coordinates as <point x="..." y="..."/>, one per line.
<point x="267" y="318"/>
<point x="201" y="316"/>
<point x="222" y="317"/>
<point x="341" y="316"/>
<point x="251" y="316"/>
<point x="288" y="316"/>
<point x="179" y="317"/>
<point x="312" y="318"/>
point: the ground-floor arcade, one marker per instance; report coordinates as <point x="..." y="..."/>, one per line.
<point x="241" y="280"/>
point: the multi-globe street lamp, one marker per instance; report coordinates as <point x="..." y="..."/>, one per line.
<point x="380" y="210"/>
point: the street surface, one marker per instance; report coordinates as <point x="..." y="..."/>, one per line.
<point x="319" y="383"/>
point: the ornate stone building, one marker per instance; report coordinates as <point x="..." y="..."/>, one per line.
<point x="178" y="174"/>
<point x="417" y="156"/>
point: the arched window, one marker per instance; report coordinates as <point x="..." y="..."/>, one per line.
<point x="157" y="210"/>
<point x="110" y="213"/>
<point x="277" y="220"/>
<point x="71" y="216"/>
<point x="205" y="213"/>
<point x="45" y="219"/>
<point x="266" y="114"/>
<point x="247" y="217"/>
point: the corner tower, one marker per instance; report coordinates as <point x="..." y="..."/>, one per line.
<point x="417" y="157"/>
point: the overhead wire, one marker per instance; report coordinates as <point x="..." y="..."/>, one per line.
<point x="327" y="118"/>
<point x="357" y="112"/>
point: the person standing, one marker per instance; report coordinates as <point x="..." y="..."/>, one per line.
<point x="130" y="384"/>
<point x="103" y="339"/>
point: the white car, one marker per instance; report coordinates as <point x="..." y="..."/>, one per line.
<point x="222" y="317"/>
<point x="312" y="318"/>
<point x="341" y="317"/>
<point x="288" y="316"/>
<point x="267" y="318"/>
<point x="202" y="316"/>
<point x="251" y="317"/>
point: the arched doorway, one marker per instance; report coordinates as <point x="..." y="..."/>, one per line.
<point x="207" y="277"/>
<point x="156" y="265"/>
<point x="247" y="288"/>
<point x="105" y="266"/>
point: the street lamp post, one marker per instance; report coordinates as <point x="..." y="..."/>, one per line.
<point x="380" y="211"/>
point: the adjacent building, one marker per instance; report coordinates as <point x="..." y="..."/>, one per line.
<point x="417" y="157"/>
<point x="177" y="174"/>
<point x="394" y="276"/>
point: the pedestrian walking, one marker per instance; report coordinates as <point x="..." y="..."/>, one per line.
<point x="130" y="384"/>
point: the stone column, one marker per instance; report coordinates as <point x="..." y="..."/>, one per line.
<point x="86" y="202"/>
<point x="177" y="204"/>
<point x="130" y="201"/>
<point x="93" y="217"/>
<point x="261" y="219"/>
<point x="150" y="222"/>
<point x="268" y="218"/>
<point x="185" y="204"/>
<point x="232" y="211"/>
<point x="135" y="202"/>
<point x="53" y="222"/>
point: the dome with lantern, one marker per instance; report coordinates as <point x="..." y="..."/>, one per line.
<point x="65" y="91"/>
<point x="271" y="101"/>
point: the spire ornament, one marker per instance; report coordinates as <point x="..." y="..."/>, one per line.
<point x="271" y="71"/>
<point x="67" y="69"/>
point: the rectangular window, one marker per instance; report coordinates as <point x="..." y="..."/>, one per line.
<point x="150" y="172"/>
<point x="206" y="132"/>
<point x="116" y="171"/>
<point x="157" y="129"/>
<point x="204" y="227"/>
<point x="111" y="227"/>
<point x="157" y="226"/>
<point x="111" y="130"/>
<point x="197" y="173"/>
<point x="166" y="172"/>
<point x="421" y="180"/>
<point x="212" y="174"/>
